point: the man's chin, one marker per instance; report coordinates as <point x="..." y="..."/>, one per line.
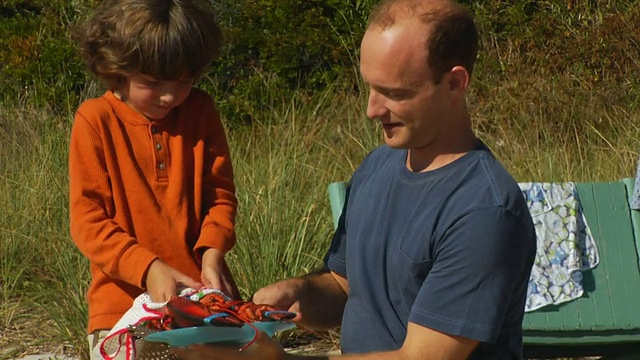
<point x="394" y="143"/>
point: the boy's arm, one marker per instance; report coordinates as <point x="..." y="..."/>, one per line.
<point x="93" y="230"/>
<point x="219" y="202"/>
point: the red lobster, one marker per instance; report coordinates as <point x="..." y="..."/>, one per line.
<point x="215" y="309"/>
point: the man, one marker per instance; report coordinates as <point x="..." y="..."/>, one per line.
<point x="433" y="252"/>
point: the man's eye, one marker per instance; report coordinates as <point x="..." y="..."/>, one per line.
<point x="393" y="95"/>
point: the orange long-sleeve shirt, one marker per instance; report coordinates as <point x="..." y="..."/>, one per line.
<point x="142" y="190"/>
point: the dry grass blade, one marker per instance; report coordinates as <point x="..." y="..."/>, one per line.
<point x="24" y="331"/>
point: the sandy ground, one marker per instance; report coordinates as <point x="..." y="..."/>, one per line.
<point x="49" y="356"/>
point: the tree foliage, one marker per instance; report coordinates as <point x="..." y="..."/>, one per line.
<point x="306" y="45"/>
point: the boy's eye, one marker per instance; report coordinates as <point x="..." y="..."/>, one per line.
<point x="147" y="80"/>
<point x="147" y="83"/>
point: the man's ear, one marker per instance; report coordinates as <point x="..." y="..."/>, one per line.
<point x="458" y="79"/>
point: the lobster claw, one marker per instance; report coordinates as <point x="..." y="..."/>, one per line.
<point x="188" y="313"/>
<point x="279" y="315"/>
<point x="223" y="319"/>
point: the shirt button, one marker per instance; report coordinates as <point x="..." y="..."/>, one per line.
<point x="158" y="146"/>
<point x="161" y="166"/>
<point x="154" y="130"/>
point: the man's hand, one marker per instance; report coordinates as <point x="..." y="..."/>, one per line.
<point x="263" y="348"/>
<point x="317" y="298"/>
<point x="216" y="273"/>
<point x="284" y="294"/>
<point x="163" y="281"/>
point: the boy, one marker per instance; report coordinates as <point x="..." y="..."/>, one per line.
<point x="152" y="197"/>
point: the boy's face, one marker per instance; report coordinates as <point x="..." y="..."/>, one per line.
<point x="154" y="98"/>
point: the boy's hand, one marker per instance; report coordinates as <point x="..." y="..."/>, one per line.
<point x="163" y="280"/>
<point x="216" y="273"/>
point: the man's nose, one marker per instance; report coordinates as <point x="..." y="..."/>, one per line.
<point x="375" y="105"/>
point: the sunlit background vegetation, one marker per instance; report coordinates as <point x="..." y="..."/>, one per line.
<point x="555" y="95"/>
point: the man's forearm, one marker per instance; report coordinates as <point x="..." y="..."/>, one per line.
<point x="322" y="301"/>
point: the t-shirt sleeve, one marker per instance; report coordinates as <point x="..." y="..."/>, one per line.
<point x="480" y="264"/>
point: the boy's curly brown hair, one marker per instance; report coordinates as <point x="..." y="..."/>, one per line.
<point x="164" y="39"/>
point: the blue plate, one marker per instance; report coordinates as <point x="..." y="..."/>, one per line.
<point x="216" y="334"/>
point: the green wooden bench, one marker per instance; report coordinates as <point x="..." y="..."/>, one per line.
<point x="605" y="321"/>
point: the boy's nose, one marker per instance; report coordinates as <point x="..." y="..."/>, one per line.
<point x="166" y="98"/>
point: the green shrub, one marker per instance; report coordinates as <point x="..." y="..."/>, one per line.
<point x="37" y="55"/>
<point x="305" y="43"/>
<point x="300" y="40"/>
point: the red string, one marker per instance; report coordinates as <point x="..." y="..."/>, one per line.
<point x="255" y="336"/>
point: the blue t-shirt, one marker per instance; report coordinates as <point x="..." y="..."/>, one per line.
<point x="449" y="249"/>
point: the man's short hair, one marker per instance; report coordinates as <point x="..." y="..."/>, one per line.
<point x="452" y="39"/>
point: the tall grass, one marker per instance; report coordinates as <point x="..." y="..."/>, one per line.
<point x="283" y="164"/>
<point x="551" y="129"/>
<point x="40" y="270"/>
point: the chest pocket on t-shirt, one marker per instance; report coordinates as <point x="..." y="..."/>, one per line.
<point x="405" y="278"/>
<point x="414" y="265"/>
